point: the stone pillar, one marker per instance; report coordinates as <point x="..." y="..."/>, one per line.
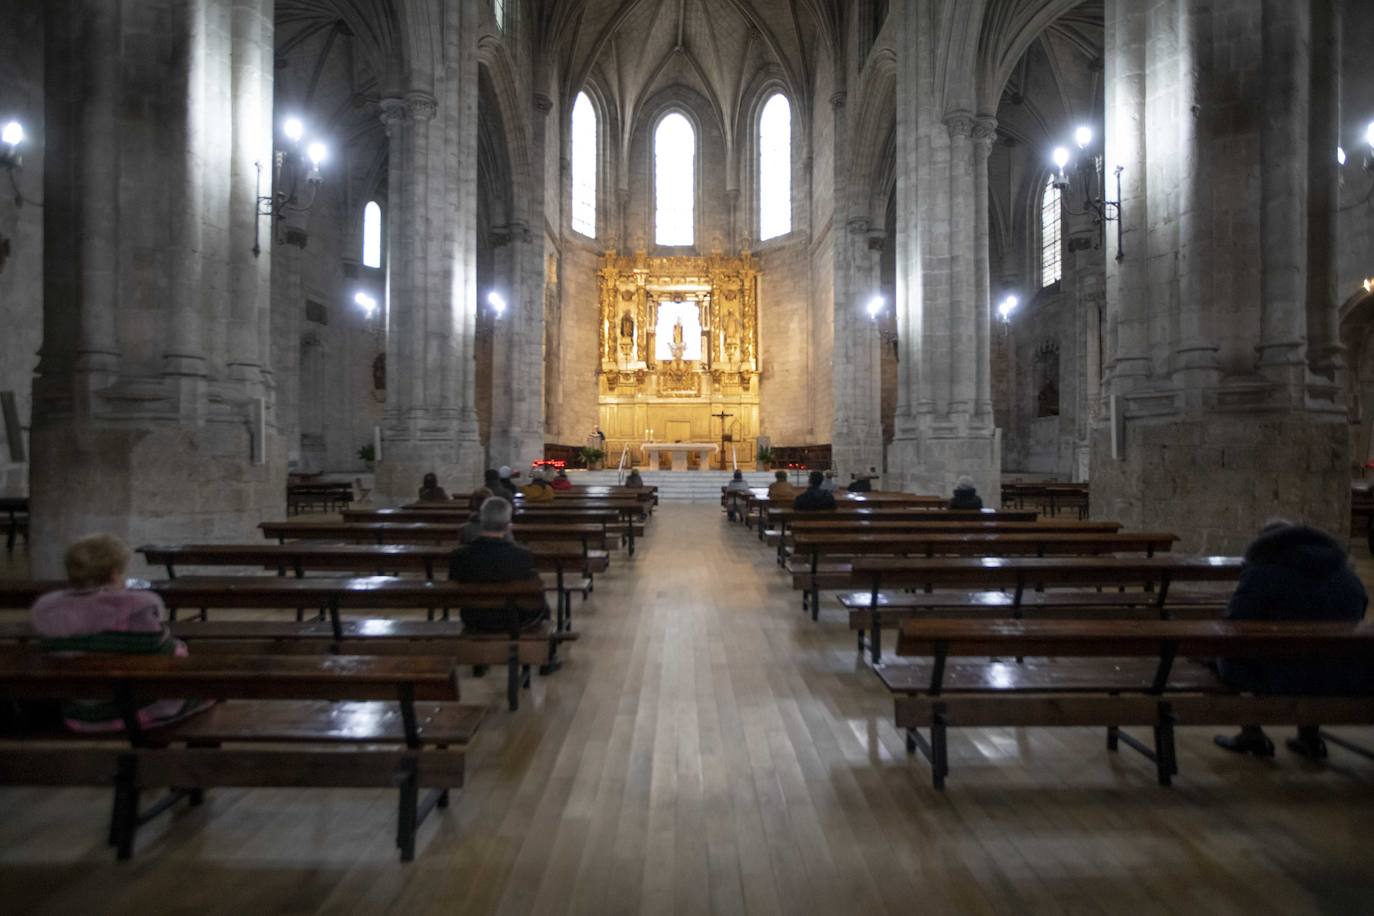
<point x="430" y="421"/>
<point x="140" y="398"/>
<point x="941" y="433"/>
<point x="1213" y="281"/>
<point x="984" y="133"/>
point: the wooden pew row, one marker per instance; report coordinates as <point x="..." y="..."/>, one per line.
<point x="296" y="722"/>
<point x="1030" y="582"/>
<point x="800" y="524"/>
<point x="620" y="523"/>
<point x="782" y="516"/>
<point x="810" y="548"/>
<point x="762" y="507"/>
<point x="518" y="650"/>
<point x="1109" y="673"/>
<point x="563" y="560"/>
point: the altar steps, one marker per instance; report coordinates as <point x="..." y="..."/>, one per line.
<point x="677" y="486"/>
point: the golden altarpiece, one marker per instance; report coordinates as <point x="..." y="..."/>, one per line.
<point x="679" y="347"/>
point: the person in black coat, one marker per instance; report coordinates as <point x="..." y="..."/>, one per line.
<point x="965" y="495"/>
<point x="813" y="497"/>
<point x="1293" y="572"/>
<point x="493" y="557"/>
<point x="863" y="484"/>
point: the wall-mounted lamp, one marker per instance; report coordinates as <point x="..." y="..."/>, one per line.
<point x="1006" y="307"/>
<point x="1089" y="168"/>
<point x="289" y="171"/>
<point x="366" y="303"/>
<point x="875" y="307"/>
<point x="497" y="303"/>
<point x="11" y="158"/>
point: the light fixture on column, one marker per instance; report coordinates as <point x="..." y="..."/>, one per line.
<point x="1007" y="306"/>
<point x="289" y="172"/>
<point x="497" y="303"/>
<point x="1089" y="167"/>
<point x="365" y="302"/>
<point x="11" y="138"/>
<point x="875" y="307"/>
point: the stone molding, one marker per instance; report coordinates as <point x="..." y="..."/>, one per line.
<point x="542" y="103"/>
<point x="960" y="123"/>
<point x="421" y="106"/>
<point x="393" y="114"/>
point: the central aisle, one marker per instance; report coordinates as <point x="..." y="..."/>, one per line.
<point x="709" y="749"/>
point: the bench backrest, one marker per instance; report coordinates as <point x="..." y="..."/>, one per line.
<point x="1009" y="572"/>
<point x="990" y="543"/>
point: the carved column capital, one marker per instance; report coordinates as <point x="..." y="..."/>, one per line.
<point x="542" y="103"/>
<point x="393" y="113"/>
<point x="960" y="123"/>
<point x="984" y="129"/>
<point x="421" y="106"/>
<point x="838" y="99"/>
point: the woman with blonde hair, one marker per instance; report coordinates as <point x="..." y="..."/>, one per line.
<point x="99" y="614"/>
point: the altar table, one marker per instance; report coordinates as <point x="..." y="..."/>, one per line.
<point x="653" y="452"/>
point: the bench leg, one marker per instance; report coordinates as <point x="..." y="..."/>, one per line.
<point x="513" y="684"/>
<point x="408" y="791"/>
<point x="816" y="604"/>
<point x="124" y="817"/>
<point x="861" y="645"/>
<point x="1113" y="737"/>
<point x="875" y="644"/>
<point x="1166" y="758"/>
<point x="939" y="733"/>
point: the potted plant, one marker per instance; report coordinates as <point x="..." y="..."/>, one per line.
<point x="592" y="458"/>
<point x="765" y="458"/>
<point x="368" y="455"/>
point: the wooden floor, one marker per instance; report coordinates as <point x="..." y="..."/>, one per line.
<point x="709" y="749"/>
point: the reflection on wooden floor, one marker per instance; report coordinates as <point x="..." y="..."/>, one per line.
<point x="709" y="749"/>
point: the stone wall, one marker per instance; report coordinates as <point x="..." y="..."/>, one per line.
<point x="21" y="225"/>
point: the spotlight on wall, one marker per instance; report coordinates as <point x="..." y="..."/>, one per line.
<point x="1089" y="168"/>
<point x="1369" y="143"/>
<point x="1007" y="306"/>
<point x="497" y="302"/>
<point x="11" y="138"/>
<point x="366" y="303"/>
<point x="289" y="172"/>
<point x="875" y="307"/>
<point x="1340" y="155"/>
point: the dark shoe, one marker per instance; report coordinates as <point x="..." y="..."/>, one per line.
<point x="1256" y="743"/>
<point x="1308" y="744"/>
<point x="479" y="670"/>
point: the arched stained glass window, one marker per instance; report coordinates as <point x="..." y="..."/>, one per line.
<point x="1051" y="235"/>
<point x="584" y="166"/>
<point x="372" y="235"/>
<point x="675" y="185"/>
<point x="775" y="168"/>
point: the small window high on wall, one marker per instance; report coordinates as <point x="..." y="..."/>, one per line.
<point x="1051" y="237"/>
<point x="584" y="166"/>
<point x="498" y="9"/>
<point x="372" y="235"/>
<point x="675" y="185"/>
<point x="775" y="168"/>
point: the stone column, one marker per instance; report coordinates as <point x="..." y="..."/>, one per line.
<point x="963" y="264"/>
<point x="984" y="133"/>
<point x="1213" y="280"/>
<point x="136" y="398"/>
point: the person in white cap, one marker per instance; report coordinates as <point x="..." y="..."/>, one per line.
<point x="504" y="482"/>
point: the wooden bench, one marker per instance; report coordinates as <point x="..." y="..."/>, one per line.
<point x="782" y="516"/>
<point x="1109" y="673"/>
<point x="280" y="722"/>
<point x="329" y="496"/>
<point x="811" y="547"/>
<point x="1022" y="578"/>
<point x="764" y="507"/>
<point x="16" y="509"/>
<point x="621" y="525"/>
<point x="563" y="561"/>
<point x="519" y="649"/>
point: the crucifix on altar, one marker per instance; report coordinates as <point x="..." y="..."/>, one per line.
<point x="722" y="417"/>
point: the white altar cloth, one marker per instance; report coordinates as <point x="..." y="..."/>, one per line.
<point x="677" y="450"/>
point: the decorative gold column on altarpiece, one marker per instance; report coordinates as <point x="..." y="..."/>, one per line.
<point x="642" y="398"/>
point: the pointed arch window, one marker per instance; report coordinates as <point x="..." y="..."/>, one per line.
<point x="498" y="9"/>
<point x="775" y="168"/>
<point x="675" y="184"/>
<point x="1051" y="234"/>
<point x="372" y="234"/>
<point x="584" y="166"/>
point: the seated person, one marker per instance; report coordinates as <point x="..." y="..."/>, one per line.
<point x="780" y="491"/>
<point x="828" y="485"/>
<point x="472" y="528"/>
<point x="430" y="491"/>
<point x="862" y="484"/>
<point x="1293" y="572"/>
<point x="814" y="497"/>
<point x="633" y="479"/>
<point x="538" y="489"/>
<point x="494" y="557"/>
<point x="737" y="484"/>
<point x="966" y="494"/>
<point x="98" y="614"/>
<point x="505" y="482"/>
<point x="561" y="481"/>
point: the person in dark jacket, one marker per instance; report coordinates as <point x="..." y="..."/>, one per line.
<point x="862" y="483"/>
<point x="814" y="497"/>
<point x="430" y="491"/>
<point x="1293" y="572"/>
<point x="965" y="494"/>
<point x="493" y="557"/>
<point x="492" y="481"/>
